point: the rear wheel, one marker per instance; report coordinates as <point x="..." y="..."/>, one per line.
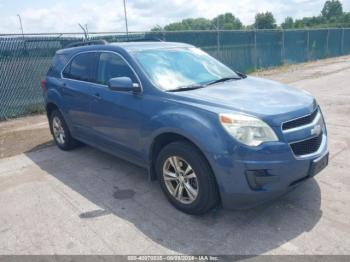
<point x="186" y="178"/>
<point x="60" y="132"/>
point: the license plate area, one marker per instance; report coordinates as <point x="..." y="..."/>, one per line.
<point x="318" y="165"/>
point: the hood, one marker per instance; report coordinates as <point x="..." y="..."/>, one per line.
<point x="271" y="101"/>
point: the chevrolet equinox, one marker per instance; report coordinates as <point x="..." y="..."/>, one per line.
<point x="209" y="134"/>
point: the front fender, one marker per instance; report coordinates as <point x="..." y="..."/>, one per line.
<point x="202" y="128"/>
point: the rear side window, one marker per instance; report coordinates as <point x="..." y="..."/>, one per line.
<point x="58" y="62"/>
<point x="82" y="67"/>
<point x="112" y="65"/>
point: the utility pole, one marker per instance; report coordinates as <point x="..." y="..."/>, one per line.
<point x="126" y="22"/>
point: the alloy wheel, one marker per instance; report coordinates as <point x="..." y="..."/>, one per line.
<point x="180" y="179"/>
<point x="58" y="130"/>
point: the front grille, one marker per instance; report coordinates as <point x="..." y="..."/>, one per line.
<point x="300" y="121"/>
<point x="308" y="146"/>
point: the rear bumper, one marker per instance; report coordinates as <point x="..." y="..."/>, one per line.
<point x="245" y="183"/>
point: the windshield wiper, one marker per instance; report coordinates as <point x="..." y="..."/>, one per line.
<point x="197" y="86"/>
<point x="242" y="75"/>
<point x="186" y="88"/>
<point x="222" y="80"/>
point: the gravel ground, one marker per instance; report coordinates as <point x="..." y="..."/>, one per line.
<point x="88" y="202"/>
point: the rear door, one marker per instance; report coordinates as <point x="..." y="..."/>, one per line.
<point x="79" y="77"/>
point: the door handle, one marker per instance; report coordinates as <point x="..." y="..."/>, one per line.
<point x="97" y="95"/>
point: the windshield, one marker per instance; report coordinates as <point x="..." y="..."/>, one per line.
<point x="176" y="68"/>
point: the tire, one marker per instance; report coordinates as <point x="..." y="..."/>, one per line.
<point x="198" y="188"/>
<point x="58" y="126"/>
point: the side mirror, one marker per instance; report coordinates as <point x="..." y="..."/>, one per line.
<point x="123" y="84"/>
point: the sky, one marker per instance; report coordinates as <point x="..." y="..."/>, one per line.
<point x="52" y="16"/>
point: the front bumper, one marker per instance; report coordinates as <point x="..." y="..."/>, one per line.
<point x="250" y="177"/>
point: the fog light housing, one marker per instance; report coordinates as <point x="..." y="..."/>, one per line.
<point x="257" y="179"/>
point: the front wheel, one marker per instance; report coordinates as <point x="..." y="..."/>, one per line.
<point x="186" y="178"/>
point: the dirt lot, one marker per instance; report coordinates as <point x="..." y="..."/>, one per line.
<point x="87" y="202"/>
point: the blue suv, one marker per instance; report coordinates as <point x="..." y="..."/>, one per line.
<point x="209" y="134"/>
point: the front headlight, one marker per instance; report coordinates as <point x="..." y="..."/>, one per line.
<point x="248" y="130"/>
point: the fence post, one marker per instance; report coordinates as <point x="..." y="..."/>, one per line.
<point x="342" y="42"/>
<point x="327" y="44"/>
<point x="283" y="50"/>
<point x="308" y="45"/>
<point x="255" y="52"/>
<point x="218" y="43"/>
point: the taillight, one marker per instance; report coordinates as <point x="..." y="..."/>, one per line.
<point x="43" y="86"/>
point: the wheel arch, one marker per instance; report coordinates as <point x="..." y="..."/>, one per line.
<point x="50" y="107"/>
<point x="54" y="100"/>
<point x="163" y="139"/>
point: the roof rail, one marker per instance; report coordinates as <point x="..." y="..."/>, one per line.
<point x="149" y="39"/>
<point x="91" y="42"/>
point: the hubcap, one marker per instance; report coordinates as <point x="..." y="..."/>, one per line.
<point x="58" y="130"/>
<point x="180" y="179"/>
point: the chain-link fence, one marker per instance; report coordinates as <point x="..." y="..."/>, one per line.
<point x="25" y="59"/>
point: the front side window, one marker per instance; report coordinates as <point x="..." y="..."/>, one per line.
<point x="174" y="68"/>
<point x="82" y="67"/>
<point x="111" y="66"/>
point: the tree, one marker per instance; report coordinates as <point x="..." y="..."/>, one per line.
<point x="288" y="23"/>
<point x="344" y="20"/>
<point x="190" y="24"/>
<point x="265" y="21"/>
<point x="299" y="23"/>
<point x="177" y="26"/>
<point x="226" y="21"/>
<point x="332" y="16"/>
<point x="311" y="22"/>
<point x="332" y="8"/>
<point x="197" y="24"/>
<point x="157" y="28"/>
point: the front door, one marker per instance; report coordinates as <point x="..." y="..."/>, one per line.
<point x="117" y="115"/>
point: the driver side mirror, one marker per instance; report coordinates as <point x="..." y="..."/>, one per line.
<point x="123" y="84"/>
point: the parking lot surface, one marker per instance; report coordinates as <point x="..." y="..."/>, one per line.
<point x="88" y="202"/>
